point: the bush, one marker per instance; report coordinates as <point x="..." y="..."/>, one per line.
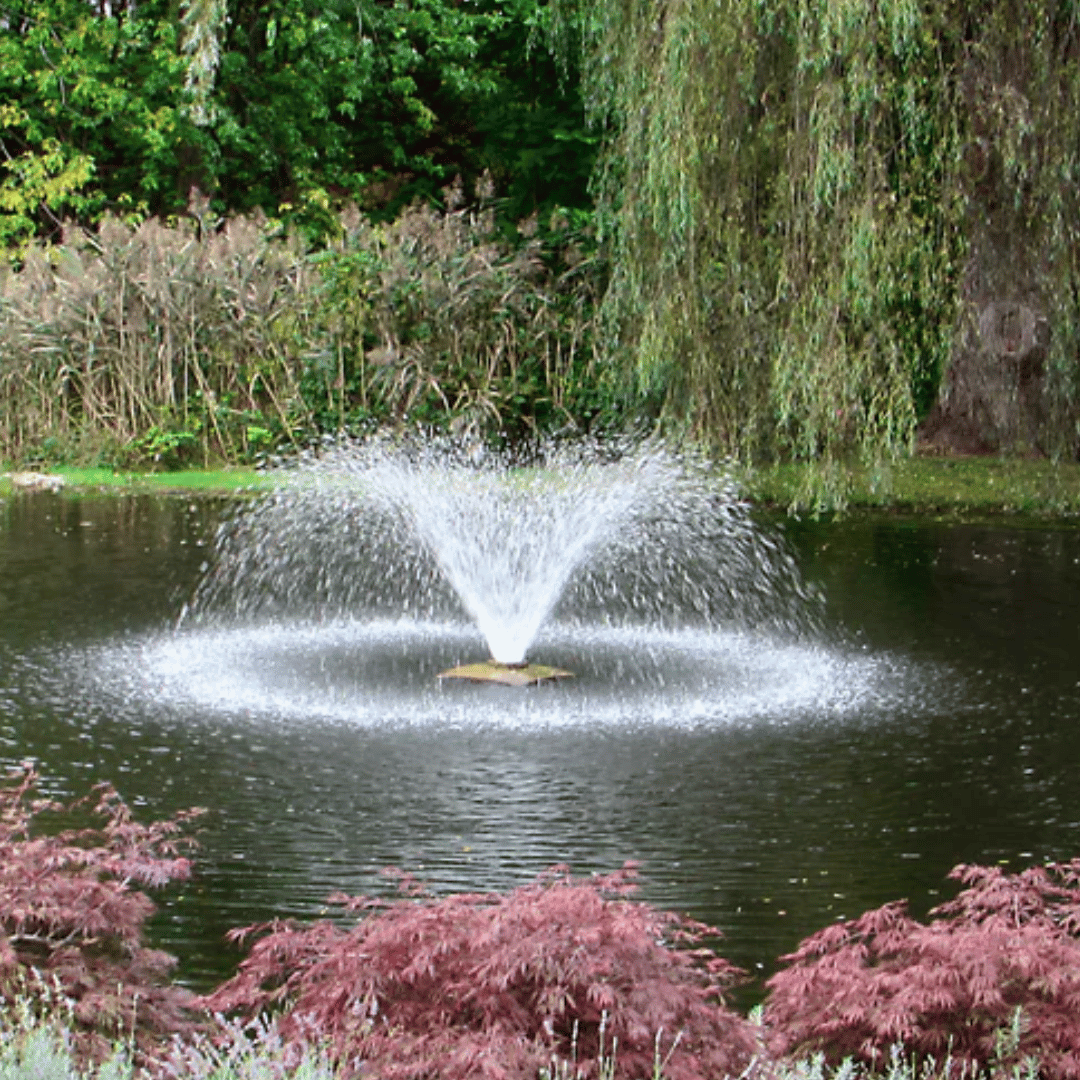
<point x="563" y="978"/>
<point x="71" y="923"/>
<point x="230" y="1051"/>
<point x="37" y="1048"/>
<point x="435" y="319"/>
<point x="497" y="986"/>
<point x="1007" y="943"/>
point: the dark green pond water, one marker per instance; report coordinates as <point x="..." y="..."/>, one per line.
<point x="936" y="724"/>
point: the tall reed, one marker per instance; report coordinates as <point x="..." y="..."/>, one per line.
<point x="168" y="343"/>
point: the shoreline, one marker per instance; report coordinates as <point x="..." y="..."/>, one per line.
<point x="950" y="488"/>
<point x="947" y="488"/>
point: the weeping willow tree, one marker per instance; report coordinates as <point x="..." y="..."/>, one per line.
<point x="796" y="222"/>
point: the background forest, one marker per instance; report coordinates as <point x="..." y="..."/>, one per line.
<point x="814" y="231"/>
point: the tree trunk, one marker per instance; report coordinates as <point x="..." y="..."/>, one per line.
<point x="994" y="395"/>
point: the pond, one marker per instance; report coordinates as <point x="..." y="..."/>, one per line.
<point x="943" y="729"/>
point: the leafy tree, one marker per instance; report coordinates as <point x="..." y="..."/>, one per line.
<point x="42" y="178"/>
<point x="773" y="188"/>
<point x="390" y="101"/>
<point x="1012" y="384"/>
<point x="532" y="136"/>
<point x="794" y="224"/>
<point x="292" y="107"/>
<point x="91" y="119"/>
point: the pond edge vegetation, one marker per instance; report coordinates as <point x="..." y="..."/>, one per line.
<point x="164" y="346"/>
<point x="1001" y="489"/>
<point x="876" y="250"/>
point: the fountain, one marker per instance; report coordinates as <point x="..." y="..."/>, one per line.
<point x="628" y="556"/>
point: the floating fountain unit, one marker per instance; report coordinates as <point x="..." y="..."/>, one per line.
<point x="491" y="671"/>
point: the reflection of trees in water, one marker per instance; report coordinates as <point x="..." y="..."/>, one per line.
<point x="57" y="549"/>
<point x="969" y="582"/>
<point x="1018" y="586"/>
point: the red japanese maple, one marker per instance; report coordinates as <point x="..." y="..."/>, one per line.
<point x="947" y="988"/>
<point x="71" y="920"/>
<point x="496" y="985"/>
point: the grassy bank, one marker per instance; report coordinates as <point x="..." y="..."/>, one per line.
<point x="110" y="481"/>
<point x="958" y="487"/>
<point x="948" y="487"/>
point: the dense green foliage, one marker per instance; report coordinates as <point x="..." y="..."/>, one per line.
<point x="789" y="193"/>
<point x="809" y="208"/>
<point x="292" y="107"/>
<point x="88" y="119"/>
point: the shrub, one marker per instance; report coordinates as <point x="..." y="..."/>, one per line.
<point x="230" y="1051"/>
<point x="42" y="1048"/>
<point x="1007" y="942"/>
<point x="71" y="923"/>
<point x="497" y="985"/>
<point x="136" y="337"/>
<point x="435" y="319"/>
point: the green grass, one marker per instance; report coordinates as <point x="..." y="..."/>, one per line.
<point x="948" y="486"/>
<point x="210" y="481"/>
<point x="961" y="487"/>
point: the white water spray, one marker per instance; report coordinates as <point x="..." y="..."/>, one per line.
<point x="591" y="533"/>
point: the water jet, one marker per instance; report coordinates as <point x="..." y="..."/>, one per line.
<point x="634" y="567"/>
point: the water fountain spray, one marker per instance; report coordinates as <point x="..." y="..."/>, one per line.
<point x="611" y="534"/>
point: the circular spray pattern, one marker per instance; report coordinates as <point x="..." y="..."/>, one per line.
<point x="378" y="673"/>
<point x="371" y="568"/>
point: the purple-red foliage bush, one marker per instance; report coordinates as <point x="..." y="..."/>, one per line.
<point x="946" y="988"/>
<point x="491" y="985"/>
<point x="71" y="920"/>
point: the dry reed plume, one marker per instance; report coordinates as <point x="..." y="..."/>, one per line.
<point x="170" y="344"/>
